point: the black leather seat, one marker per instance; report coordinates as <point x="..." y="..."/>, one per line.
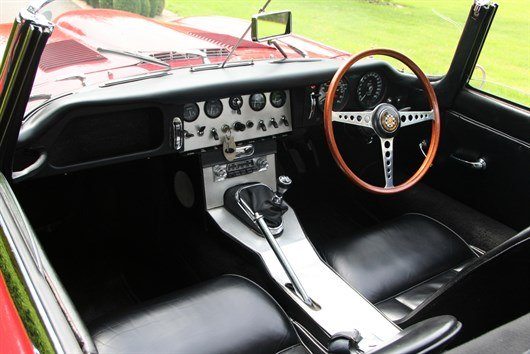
<point x="226" y="315"/>
<point x="414" y="267"/>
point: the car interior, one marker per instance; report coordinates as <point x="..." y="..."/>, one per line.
<point x="224" y="211"/>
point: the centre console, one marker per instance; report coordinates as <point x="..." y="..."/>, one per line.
<point x="245" y="199"/>
<point x="333" y="304"/>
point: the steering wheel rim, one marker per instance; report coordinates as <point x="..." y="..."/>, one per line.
<point x="382" y="119"/>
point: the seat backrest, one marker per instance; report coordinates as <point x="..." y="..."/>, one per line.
<point x="488" y="292"/>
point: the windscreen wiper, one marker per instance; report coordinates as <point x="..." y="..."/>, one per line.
<point x="225" y="63"/>
<point x="145" y="58"/>
<point x="298" y="51"/>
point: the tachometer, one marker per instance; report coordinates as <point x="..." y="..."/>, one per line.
<point x="370" y="90"/>
<point x="213" y="108"/>
<point x="257" y="101"/>
<point x="341" y="95"/>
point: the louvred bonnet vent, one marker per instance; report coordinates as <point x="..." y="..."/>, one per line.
<point x="66" y="53"/>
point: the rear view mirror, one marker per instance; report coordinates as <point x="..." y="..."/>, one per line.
<point x="267" y="26"/>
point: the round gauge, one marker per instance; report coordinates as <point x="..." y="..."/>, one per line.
<point x="370" y="90"/>
<point x="213" y="108"/>
<point x="278" y="98"/>
<point x="235" y="102"/>
<point x="257" y="101"/>
<point x="190" y="112"/>
<point x="341" y="95"/>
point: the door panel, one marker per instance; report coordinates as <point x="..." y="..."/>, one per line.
<point x="502" y="116"/>
<point x="502" y="189"/>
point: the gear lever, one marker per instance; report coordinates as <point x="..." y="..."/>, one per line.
<point x="284" y="183"/>
<point x="259" y="208"/>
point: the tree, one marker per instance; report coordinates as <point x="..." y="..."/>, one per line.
<point x="145" y="8"/>
<point x="128" y="5"/>
<point x="157" y="6"/>
<point x="105" y="4"/>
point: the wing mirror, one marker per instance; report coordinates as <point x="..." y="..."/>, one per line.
<point x="268" y="26"/>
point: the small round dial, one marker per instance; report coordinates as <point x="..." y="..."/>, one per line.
<point x="370" y="90"/>
<point x="235" y="102"/>
<point x="278" y="98"/>
<point x="341" y="95"/>
<point x="190" y="112"/>
<point x="257" y="101"/>
<point x="213" y="108"/>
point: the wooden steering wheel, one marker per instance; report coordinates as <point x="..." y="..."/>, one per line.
<point x="385" y="120"/>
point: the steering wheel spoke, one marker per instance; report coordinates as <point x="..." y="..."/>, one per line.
<point x="414" y="117"/>
<point x="361" y="118"/>
<point x="387" y="149"/>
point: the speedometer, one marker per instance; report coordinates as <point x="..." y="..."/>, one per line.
<point x="341" y="95"/>
<point x="370" y="90"/>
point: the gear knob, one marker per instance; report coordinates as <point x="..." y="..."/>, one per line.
<point x="284" y="183"/>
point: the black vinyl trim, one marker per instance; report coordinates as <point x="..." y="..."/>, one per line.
<point x="488" y="128"/>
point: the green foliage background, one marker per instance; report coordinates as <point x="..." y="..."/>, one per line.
<point x="24" y="305"/>
<point x="425" y="30"/>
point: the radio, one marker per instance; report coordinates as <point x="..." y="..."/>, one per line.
<point x="239" y="168"/>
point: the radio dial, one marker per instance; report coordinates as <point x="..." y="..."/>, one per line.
<point x="262" y="164"/>
<point x="219" y="172"/>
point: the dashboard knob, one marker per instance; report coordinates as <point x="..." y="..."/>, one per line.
<point x="219" y="172"/>
<point x="250" y="124"/>
<point x="262" y="164"/>
<point x="239" y="127"/>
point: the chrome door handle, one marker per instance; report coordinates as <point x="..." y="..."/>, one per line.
<point x="480" y="164"/>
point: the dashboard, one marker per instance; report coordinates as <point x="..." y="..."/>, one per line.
<point x="210" y="123"/>
<point x="183" y="112"/>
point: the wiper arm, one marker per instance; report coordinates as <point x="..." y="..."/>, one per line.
<point x="145" y="58"/>
<point x="298" y="51"/>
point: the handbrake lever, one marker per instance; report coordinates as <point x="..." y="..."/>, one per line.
<point x="284" y="183"/>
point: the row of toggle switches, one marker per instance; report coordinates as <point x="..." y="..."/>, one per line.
<point x="239" y="127"/>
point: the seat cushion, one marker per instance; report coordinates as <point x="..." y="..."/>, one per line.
<point x="400" y="305"/>
<point x="226" y="315"/>
<point x="386" y="261"/>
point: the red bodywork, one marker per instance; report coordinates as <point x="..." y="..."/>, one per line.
<point x="72" y="54"/>
<point x="13" y="336"/>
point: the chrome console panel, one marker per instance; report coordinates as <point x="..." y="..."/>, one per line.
<point x="243" y="124"/>
<point x="341" y="307"/>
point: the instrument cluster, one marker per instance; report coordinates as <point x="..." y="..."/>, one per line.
<point x="369" y="92"/>
<point x="241" y="117"/>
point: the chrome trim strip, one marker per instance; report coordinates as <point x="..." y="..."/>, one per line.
<point x="478" y="124"/>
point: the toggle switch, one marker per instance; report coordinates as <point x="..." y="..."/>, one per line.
<point x="215" y="134"/>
